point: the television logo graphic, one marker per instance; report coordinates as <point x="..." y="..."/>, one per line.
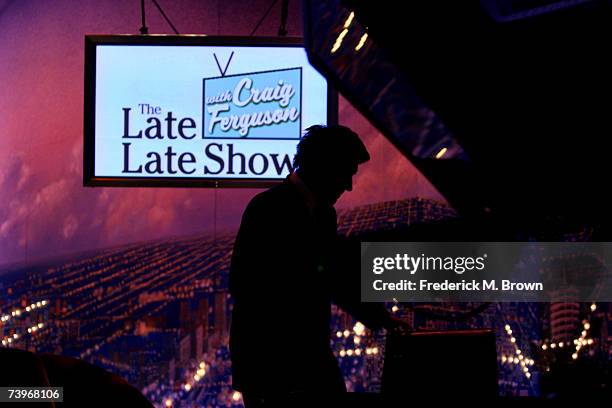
<point x="257" y="105"/>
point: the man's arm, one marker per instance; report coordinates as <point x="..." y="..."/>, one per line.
<point x="346" y="290"/>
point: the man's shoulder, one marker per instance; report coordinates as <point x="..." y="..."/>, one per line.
<point x="277" y="196"/>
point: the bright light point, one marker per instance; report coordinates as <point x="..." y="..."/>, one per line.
<point x="507" y="327"/>
<point x="4" y="342"/>
<point x="394" y="309"/>
<point x="593" y="307"/>
<point x="590" y="341"/>
<point x="38" y="304"/>
<point x="17" y="312"/>
<point x="561" y="344"/>
<point x="358" y="352"/>
<point x="553" y="345"/>
<point x="346" y="333"/>
<point x="349" y="20"/>
<point x="27" y="308"/>
<point x="525" y="369"/>
<point x="362" y="41"/>
<point x="544" y="346"/>
<point x="521" y="357"/>
<point x="34" y="328"/>
<point x="439" y="155"/>
<point x="44" y="302"/>
<point x="15" y="336"/>
<point x="168" y="402"/>
<point x="523" y="363"/>
<point x="236" y="396"/>
<point x="368" y="351"/>
<point x="196" y="377"/>
<point x="338" y="334"/>
<point x="512" y="340"/>
<point x="587" y="326"/>
<point x="202" y="365"/>
<point x="584" y="333"/>
<point x="375" y="350"/>
<point x="516" y="360"/>
<point x="575" y="356"/>
<point x="40" y="325"/>
<point x="518" y="351"/>
<point x="29" y="330"/>
<point x="338" y="42"/>
<point x="528" y="375"/>
<point x="187" y="387"/>
<point x="356" y="340"/>
<point x="359" y="329"/>
<point x="349" y="352"/>
<point x="503" y="359"/>
<point x="342" y="353"/>
<point x="201" y="372"/>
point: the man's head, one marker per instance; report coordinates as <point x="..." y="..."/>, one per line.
<point x="327" y="159"/>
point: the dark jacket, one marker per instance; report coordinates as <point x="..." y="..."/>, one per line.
<point x="284" y="274"/>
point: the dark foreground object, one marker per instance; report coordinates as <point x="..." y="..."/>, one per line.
<point x="413" y="397"/>
<point x="84" y="384"/>
<point x="461" y="363"/>
<point x="449" y="367"/>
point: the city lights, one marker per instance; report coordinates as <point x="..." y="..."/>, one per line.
<point x="19" y="313"/>
<point x="578" y="342"/>
<point x="236" y="396"/>
<point x="520" y="357"/>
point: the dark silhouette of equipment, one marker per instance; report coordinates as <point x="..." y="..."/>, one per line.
<point x="440" y="365"/>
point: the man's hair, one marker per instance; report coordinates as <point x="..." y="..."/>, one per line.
<point x="326" y="145"/>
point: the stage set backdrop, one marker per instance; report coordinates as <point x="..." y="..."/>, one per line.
<point x="46" y="210"/>
<point x="135" y="279"/>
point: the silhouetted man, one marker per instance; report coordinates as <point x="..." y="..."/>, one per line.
<point x="287" y="268"/>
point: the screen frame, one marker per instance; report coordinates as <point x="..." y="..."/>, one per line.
<point x="89" y="118"/>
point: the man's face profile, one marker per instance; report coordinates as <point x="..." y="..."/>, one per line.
<point x="334" y="180"/>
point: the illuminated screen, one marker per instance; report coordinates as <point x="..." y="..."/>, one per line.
<point x="201" y="111"/>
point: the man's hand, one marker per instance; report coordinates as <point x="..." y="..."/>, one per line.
<point x="397" y="326"/>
